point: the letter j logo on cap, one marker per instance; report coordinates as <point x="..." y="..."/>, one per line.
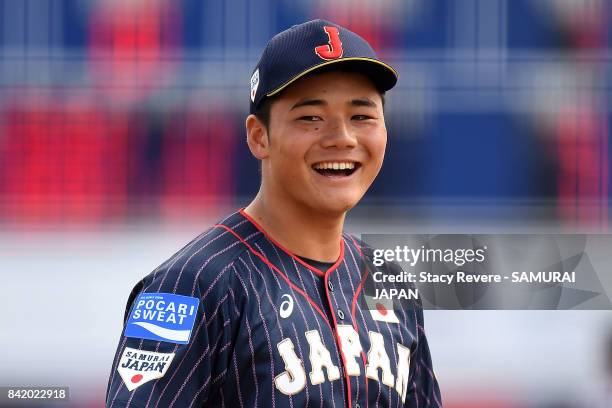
<point x="332" y="50"/>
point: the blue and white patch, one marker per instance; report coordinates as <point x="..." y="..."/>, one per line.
<point x="162" y="317"/>
<point x="254" y="84"/>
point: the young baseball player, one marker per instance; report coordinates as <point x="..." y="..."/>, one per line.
<point x="263" y="309"/>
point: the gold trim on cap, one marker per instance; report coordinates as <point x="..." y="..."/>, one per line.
<point x="301" y="74"/>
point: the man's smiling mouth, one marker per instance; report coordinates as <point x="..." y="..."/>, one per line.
<point x="336" y="168"/>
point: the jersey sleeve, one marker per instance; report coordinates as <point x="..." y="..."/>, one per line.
<point x="423" y="388"/>
<point x="175" y="342"/>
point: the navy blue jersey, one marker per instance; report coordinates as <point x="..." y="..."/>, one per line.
<point x="234" y="319"/>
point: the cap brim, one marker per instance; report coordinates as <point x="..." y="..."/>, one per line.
<point x="383" y="75"/>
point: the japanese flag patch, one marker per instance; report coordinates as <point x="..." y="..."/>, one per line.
<point x="381" y="310"/>
<point x="138" y="367"/>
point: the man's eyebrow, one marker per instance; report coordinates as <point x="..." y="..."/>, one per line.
<point x="367" y="102"/>
<point x="308" y="102"/>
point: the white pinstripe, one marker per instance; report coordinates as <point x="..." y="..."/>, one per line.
<point x="306" y="322"/>
<point x="267" y="333"/>
<point x="280" y="328"/>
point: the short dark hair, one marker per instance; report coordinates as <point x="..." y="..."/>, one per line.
<point x="263" y="109"/>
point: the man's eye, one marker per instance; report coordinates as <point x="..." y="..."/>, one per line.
<point x="361" y="117"/>
<point x="310" y="118"/>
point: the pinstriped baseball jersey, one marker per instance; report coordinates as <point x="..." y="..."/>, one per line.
<point x="233" y="319"/>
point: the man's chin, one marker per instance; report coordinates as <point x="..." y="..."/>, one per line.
<point x="336" y="207"/>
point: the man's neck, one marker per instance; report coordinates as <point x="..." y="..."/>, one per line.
<point x="295" y="228"/>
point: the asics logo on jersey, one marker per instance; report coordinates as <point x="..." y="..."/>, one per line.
<point x="286" y="307"/>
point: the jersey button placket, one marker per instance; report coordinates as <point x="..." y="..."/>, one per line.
<point x="329" y="288"/>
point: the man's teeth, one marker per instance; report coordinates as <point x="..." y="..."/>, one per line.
<point x="335" y="166"/>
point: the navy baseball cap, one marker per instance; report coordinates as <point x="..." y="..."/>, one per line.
<point x="312" y="46"/>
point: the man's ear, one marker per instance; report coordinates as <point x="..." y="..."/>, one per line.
<point x="257" y="137"/>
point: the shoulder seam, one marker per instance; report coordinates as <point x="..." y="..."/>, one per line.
<point x="244" y="249"/>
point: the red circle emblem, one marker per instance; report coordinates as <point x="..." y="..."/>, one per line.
<point x="136" y="378"/>
<point x="381" y="309"/>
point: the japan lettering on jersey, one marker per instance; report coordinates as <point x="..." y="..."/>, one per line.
<point x="233" y="319"/>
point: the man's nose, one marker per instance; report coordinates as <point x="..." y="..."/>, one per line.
<point x="339" y="135"/>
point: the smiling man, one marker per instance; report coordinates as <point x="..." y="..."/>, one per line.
<point x="264" y="308"/>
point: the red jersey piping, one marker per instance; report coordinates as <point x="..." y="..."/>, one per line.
<point x="291" y="254"/>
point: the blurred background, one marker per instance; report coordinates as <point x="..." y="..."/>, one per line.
<point x="122" y="137"/>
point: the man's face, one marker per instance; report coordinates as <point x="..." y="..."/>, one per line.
<point x="327" y="139"/>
